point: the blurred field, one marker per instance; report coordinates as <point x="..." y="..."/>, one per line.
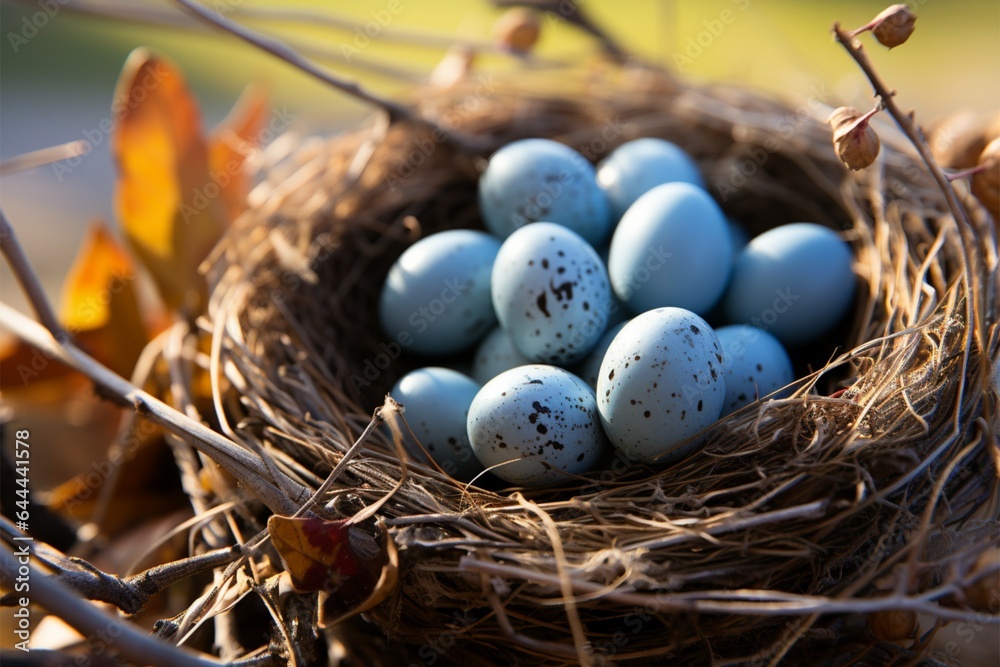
<point x="56" y="84"/>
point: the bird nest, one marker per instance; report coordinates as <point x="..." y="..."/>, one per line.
<point x="793" y="524"/>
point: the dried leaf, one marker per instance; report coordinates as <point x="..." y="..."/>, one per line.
<point x="353" y="566"/>
<point x="99" y="303"/>
<point x="232" y="142"/>
<point x="30" y="366"/>
<point x="167" y="204"/>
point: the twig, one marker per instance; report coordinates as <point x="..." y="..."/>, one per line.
<point x="747" y="602"/>
<point x="971" y="265"/>
<point x="44" y="156"/>
<point x="396" y="112"/>
<point x="243" y="465"/>
<point x="331" y="19"/>
<point x="129" y="594"/>
<point x="90" y="621"/>
<point x="904" y="120"/>
<point x="28" y="279"/>
<point x="574" y="15"/>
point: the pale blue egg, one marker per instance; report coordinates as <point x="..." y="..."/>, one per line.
<point x="436" y="299"/>
<point x="671" y="248"/>
<point x="638" y="166"/>
<point x="534" y="424"/>
<point x="550" y="293"/>
<point x="436" y="406"/>
<point x="756" y="364"/>
<point x="495" y="355"/>
<point x="662" y="381"/>
<point x="538" y="179"/>
<point x="794" y="281"/>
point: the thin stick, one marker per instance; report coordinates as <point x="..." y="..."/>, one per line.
<point x="345" y="22"/>
<point x="970" y="262"/>
<point x="44" y="156"/>
<point x="131" y="593"/>
<point x="574" y="15"/>
<point x="748" y="602"/>
<point x="243" y="465"/>
<point x="395" y="111"/>
<point x="91" y="621"/>
<point x="28" y="279"/>
<point x="904" y="120"/>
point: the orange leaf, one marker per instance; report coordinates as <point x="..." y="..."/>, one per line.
<point x="352" y="568"/>
<point x="99" y="304"/>
<point x="235" y="138"/>
<point x="167" y="204"/>
<point x="29" y="365"/>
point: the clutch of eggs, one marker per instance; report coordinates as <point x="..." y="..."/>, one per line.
<point x="584" y="308"/>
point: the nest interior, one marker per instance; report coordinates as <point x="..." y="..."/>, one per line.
<point x="782" y="528"/>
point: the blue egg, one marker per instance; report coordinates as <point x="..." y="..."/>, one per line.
<point x="436" y="406"/>
<point x="436" y="299"/>
<point x="636" y="167"/>
<point x="495" y="355"/>
<point x="756" y="365"/>
<point x="536" y="425"/>
<point x="661" y="382"/>
<point x="551" y="293"/>
<point x="537" y="179"/>
<point x="794" y="281"/>
<point x="672" y="248"/>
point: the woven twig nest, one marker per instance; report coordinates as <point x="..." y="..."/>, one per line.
<point x="793" y="521"/>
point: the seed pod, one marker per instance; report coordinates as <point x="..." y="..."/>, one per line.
<point x="894" y="25"/>
<point x="517" y="30"/>
<point x="854" y="139"/>
<point x="892" y="625"/>
<point x="958" y="139"/>
<point x="983" y="594"/>
<point x="986" y="184"/>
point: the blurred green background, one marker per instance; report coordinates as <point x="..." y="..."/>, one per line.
<point x="57" y="73"/>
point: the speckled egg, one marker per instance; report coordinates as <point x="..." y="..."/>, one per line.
<point x="796" y="281"/>
<point x="638" y="166"/>
<point x="661" y="382"/>
<point x="538" y="179"/>
<point x="436" y="406"/>
<point x="550" y="293"/>
<point x="495" y="355"/>
<point x="756" y="364"/>
<point x="590" y="367"/>
<point x="436" y="299"/>
<point x="671" y="248"/>
<point x="534" y="424"/>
